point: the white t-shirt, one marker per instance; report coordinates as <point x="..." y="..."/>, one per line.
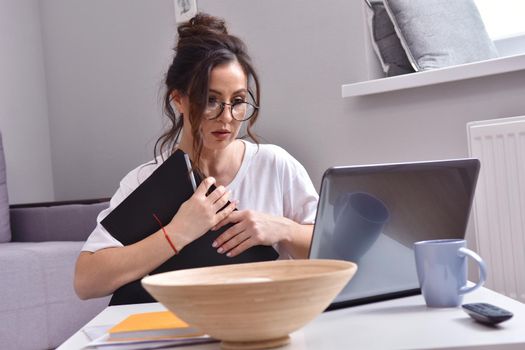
<point x="269" y="180"/>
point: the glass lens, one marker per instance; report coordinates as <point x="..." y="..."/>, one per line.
<point x="242" y="111"/>
<point x="239" y="110"/>
<point x="213" y="109"/>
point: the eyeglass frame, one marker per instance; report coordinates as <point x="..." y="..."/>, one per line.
<point x="231" y="105"/>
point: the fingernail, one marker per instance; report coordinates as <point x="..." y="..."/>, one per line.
<point x="214" y="244"/>
<point x="229" y="255"/>
<point x="220" y="250"/>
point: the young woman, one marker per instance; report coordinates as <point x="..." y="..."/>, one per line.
<point x="211" y="91"/>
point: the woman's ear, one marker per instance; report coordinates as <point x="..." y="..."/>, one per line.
<point x="176" y="97"/>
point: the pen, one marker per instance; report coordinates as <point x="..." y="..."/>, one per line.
<point x="190" y="169"/>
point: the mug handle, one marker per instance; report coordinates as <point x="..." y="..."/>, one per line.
<point x="482" y="270"/>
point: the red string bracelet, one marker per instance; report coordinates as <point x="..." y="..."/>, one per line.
<point x="166" y="234"/>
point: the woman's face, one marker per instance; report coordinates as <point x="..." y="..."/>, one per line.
<point x="228" y="83"/>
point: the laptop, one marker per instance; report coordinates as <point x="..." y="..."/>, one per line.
<point x="372" y="215"/>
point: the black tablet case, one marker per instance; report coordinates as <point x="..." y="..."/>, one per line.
<point x="162" y="193"/>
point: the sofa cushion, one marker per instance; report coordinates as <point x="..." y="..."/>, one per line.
<point x="385" y="41"/>
<point x="22" y="300"/>
<point x="5" y="231"/>
<point x="440" y="33"/>
<point x="38" y="306"/>
<point x="72" y="222"/>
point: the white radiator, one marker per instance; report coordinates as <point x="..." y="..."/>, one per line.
<point x="499" y="204"/>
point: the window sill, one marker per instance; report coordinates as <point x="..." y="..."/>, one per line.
<point x="442" y="75"/>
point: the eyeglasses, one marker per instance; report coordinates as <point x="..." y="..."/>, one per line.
<point x="240" y="110"/>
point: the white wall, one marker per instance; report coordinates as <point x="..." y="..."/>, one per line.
<point x="304" y="56"/>
<point x="104" y="65"/>
<point x="23" y="107"/>
<point x="105" y="62"/>
<point x="304" y="51"/>
<point x="511" y="46"/>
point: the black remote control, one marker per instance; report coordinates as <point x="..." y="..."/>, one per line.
<point x="487" y="313"/>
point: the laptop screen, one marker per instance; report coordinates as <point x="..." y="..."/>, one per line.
<point x="373" y="214"/>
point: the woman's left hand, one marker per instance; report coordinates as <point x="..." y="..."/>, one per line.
<point x="251" y="228"/>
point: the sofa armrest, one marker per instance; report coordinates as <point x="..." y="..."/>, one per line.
<point x="55" y="221"/>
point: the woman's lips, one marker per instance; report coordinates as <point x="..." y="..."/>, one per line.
<point x="221" y="134"/>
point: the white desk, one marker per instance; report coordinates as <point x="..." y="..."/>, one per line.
<point x="404" y="323"/>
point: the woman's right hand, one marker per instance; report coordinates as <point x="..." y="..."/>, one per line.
<point x="199" y="213"/>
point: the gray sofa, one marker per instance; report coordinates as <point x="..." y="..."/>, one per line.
<point x="39" y="244"/>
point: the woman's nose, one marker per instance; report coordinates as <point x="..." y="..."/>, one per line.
<point x="226" y="114"/>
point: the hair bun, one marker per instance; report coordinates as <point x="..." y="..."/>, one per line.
<point x="202" y="24"/>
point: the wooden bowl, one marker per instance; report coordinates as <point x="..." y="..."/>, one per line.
<point x="253" y="305"/>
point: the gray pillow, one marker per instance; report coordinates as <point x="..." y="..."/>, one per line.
<point x="440" y="33"/>
<point x="5" y="230"/>
<point x="385" y="42"/>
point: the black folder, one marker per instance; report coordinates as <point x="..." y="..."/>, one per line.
<point x="162" y="193"/>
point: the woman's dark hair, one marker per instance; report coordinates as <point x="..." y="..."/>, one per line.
<point x="203" y="44"/>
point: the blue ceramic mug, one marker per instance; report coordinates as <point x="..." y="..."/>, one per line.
<point x="442" y="271"/>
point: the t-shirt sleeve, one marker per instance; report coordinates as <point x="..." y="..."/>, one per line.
<point x="300" y="196"/>
<point x="100" y="238"/>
